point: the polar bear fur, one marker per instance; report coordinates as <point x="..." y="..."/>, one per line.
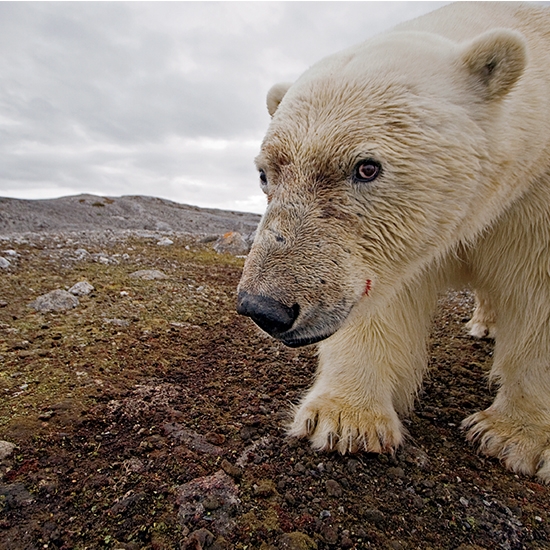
<point x="415" y="161"/>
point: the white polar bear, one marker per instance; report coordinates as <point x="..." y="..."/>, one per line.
<point x="417" y="160"/>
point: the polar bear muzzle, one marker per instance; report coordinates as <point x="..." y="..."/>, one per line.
<point x="269" y="314"/>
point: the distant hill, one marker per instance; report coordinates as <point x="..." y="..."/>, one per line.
<point x="91" y="212"/>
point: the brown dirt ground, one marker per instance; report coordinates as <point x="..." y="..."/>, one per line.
<point x="118" y="403"/>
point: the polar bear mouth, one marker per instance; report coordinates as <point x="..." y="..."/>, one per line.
<point x="295" y="326"/>
<point x="316" y="325"/>
<point x="301" y="341"/>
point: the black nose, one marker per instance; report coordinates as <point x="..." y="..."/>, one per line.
<point x="269" y="314"/>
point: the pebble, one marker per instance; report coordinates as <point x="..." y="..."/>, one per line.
<point x="165" y="241"/>
<point x="211" y="503"/>
<point x="396" y="472"/>
<point x="202" y="538"/>
<point x="373" y="515"/>
<point x="231" y="470"/>
<point x="296" y="541"/>
<point x="329" y="533"/>
<point x="265" y="488"/>
<point x="6" y="449"/>
<point x="345" y="541"/>
<point x="82" y="288"/>
<point x="334" y="489"/>
<point x="4" y="264"/>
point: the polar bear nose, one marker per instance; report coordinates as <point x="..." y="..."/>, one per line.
<point x="269" y="314"/>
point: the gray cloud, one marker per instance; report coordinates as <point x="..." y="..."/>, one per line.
<point x="164" y="99"/>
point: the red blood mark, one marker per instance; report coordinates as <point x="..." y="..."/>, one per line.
<point x="368" y="286"/>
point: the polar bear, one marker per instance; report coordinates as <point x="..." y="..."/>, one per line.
<point x="412" y="162"/>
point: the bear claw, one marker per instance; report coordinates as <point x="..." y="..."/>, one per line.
<point x="523" y="448"/>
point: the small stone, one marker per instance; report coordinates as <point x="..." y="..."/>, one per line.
<point x="265" y="488"/>
<point x="231" y="470"/>
<point x="3" y="303"/>
<point x="82" y="288"/>
<point x="418" y="502"/>
<point x="345" y="541"/>
<point x="373" y="515"/>
<point x="199" y="539"/>
<point x="214" y="438"/>
<point x="329" y="533"/>
<point x="148" y="274"/>
<point x="4" y="264"/>
<point x="6" y="449"/>
<point x="56" y="300"/>
<point x="296" y="541"/>
<point x="334" y="489"/>
<point x="396" y="472"/>
<point x="165" y="241"/>
<point x="211" y="503"/>
<point x="248" y="432"/>
<point x="289" y="497"/>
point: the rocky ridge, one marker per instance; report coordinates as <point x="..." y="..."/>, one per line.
<point x="115" y="214"/>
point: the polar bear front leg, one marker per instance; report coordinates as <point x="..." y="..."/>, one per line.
<point x="482" y="323"/>
<point x="516" y="427"/>
<point x="369" y="371"/>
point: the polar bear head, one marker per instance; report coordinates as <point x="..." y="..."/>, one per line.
<point x="378" y="161"/>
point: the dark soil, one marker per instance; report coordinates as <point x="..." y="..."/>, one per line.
<point x="153" y="416"/>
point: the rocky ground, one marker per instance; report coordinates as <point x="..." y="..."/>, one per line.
<point x="146" y="414"/>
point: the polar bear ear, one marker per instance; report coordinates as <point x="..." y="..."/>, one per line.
<point x="275" y="96"/>
<point x="496" y="60"/>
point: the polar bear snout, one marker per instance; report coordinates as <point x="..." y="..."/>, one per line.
<point x="269" y="314"/>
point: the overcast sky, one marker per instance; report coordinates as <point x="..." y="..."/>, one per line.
<point x="160" y="99"/>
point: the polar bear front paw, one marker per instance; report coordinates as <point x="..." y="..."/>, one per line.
<point x="332" y="424"/>
<point x="523" y="448"/>
<point x="480" y="329"/>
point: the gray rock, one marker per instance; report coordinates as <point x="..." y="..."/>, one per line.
<point x="6" y="449"/>
<point x="15" y="495"/>
<point x="82" y="288"/>
<point x="56" y="300"/>
<point x="165" y="241"/>
<point x="4" y="264"/>
<point x="148" y="274"/>
<point x="232" y="243"/>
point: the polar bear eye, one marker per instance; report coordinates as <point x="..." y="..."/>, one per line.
<point x="367" y="170"/>
<point x="263" y="181"/>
